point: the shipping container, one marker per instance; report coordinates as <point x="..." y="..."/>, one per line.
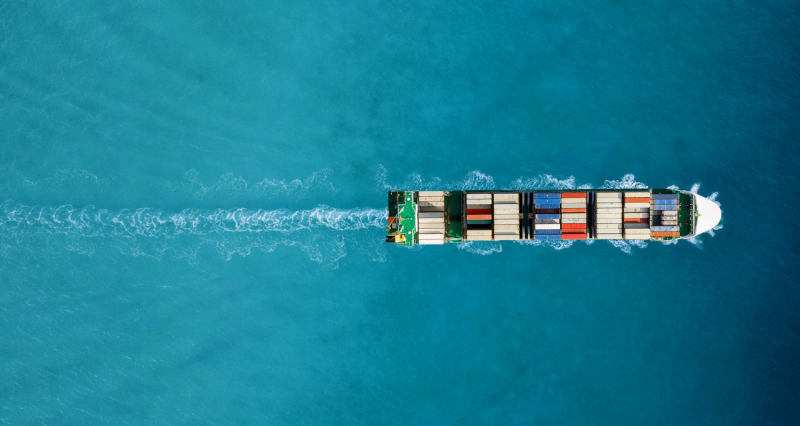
<point x="665" y="201"/>
<point x="506" y="222"/>
<point x="573" y="220"/>
<point x="482" y="195"/>
<point x="609" y="211"/>
<point x="573" y="237"/>
<point x="547" y="201"/>
<point x="669" y="222"/>
<point x="608" y="195"/>
<point x="664" y="196"/>
<point x="574" y="225"/>
<point x="608" y="236"/>
<point x="637" y="225"/>
<point x="609" y="215"/>
<point x="479" y="237"/>
<point x="548" y="216"/>
<point x="479" y="222"/>
<point x="479" y="232"/>
<point x="665" y="234"/>
<point x="546" y="195"/>
<point x="547" y="231"/>
<point x="574" y="206"/>
<point x="431" y="215"/>
<point x="637" y="205"/>
<point x="608" y="205"/>
<point x="666" y="228"/>
<point x="608" y="226"/>
<point x="574" y="216"/>
<point x="498" y="227"/>
<point x="431" y="199"/>
<point x="431" y="193"/>
<point x="506" y="197"/>
<point x="547" y="206"/>
<point x="476" y="211"/>
<point x="636" y="215"/>
<point x="431" y="220"/>
<point x="547" y="237"/>
<point x="506" y="216"/>
<point x="573" y="195"/>
<point x="431" y="242"/>
<point x="665" y="207"/>
<point x="609" y="220"/>
<point x="636" y="220"/>
<point x="547" y="226"/>
<point x="637" y="194"/>
<point x="636" y="210"/>
<point x="573" y="231"/>
<point x="501" y="237"/>
<point x="573" y="211"/>
<point x="478" y="217"/>
<point x="431" y="236"/>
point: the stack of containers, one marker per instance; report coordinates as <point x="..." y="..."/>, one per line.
<point x="573" y="216"/>
<point x="506" y="216"/>
<point x="430" y="223"/>
<point x="636" y="216"/>
<point x="608" y="215"/>
<point x="479" y="217"/>
<point x="667" y="207"/>
<point x="547" y="222"/>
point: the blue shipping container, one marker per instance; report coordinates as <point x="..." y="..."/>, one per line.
<point x="547" y="200"/>
<point x="666" y="228"/>
<point x="548" y="206"/>
<point x="548" y="216"/>
<point x="664" y="196"/>
<point x="665" y="207"/>
<point x="547" y="237"/>
<point x="665" y="201"/>
<point x="547" y="231"/>
<point x="546" y="195"/>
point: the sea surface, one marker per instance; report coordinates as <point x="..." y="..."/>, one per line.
<point x="193" y="201"/>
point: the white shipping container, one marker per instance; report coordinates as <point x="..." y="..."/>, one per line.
<point x="505" y="237"/>
<point x="636" y="215"/>
<point x="479" y="237"/>
<point x="430" y="226"/>
<point x="430" y="236"/>
<point x="637" y="205"/>
<point x="431" y="219"/>
<point x="476" y="196"/>
<point x="430" y="242"/>
<point x="669" y="212"/>
<point x="430" y="215"/>
<point x="431" y="199"/>
<point x="608" y="236"/>
<point x="506" y="216"/>
<point x="669" y="222"/>
<point x="573" y="216"/>
<point x="480" y="202"/>
<point x="439" y="230"/>
<point x="431" y="193"/>
<point x="506" y="232"/>
<point x="476" y="232"/>
<point x="573" y="221"/>
<point x="608" y="220"/>
<point x="607" y="226"/>
<point x="607" y="211"/>
<point x="636" y="210"/>
<point x="505" y="203"/>
<point x="506" y="212"/>
<point x="574" y="206"/>
<point x="637" y="231"/>
<point x="506" y="197"/>
<point x="608" y="205"/>
<point x="547" y="226"/>
<point x="506" y="227"/>
<point x="637" y="226"/>
<point x="608" y="194"/>
<point x="609" y="216"/>
<point x="545" y="220"/>
<point x="506" y="222"/>
<point x="431" y="203"/>
<point x="637" y="194"/>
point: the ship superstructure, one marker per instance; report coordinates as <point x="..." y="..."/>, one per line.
<point x="438" y="217"/>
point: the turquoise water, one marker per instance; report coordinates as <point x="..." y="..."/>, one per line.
<point x="193" y="199"/>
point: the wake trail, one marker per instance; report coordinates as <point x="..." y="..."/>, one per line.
<point x="146" y="222"/>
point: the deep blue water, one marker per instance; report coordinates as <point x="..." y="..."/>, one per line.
<point x="193" y="196"/>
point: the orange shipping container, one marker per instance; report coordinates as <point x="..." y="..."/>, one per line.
<point x="573" y="226"/>
<point x="573" y="231"/>
<point x="636" y="220"/>
<point x="637" y="200"/>
<point x="573" y="210"/>
<point x="573" y="236"/>
<point x="573" y="195"/>
<point x="666" y="234"/>
<point x="479" y="217"/>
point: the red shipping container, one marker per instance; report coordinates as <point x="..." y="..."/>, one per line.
<point x="479" y="211"/>
<point x="573" y="226"/>
<point x="573" y="231"/>
<point x="573" y="210"/>
<point x="573" y="195"/>
<point x="637" y="200"/>
<point x="636" y="220"/>
<point x="666" y="234"/>
<point x="573" y="236"/>
<point x="479" y="217"/>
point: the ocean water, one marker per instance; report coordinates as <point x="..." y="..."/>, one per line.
<point x="193" y="195"/>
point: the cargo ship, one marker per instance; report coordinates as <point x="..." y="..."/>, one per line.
<point x="438" y="217"/>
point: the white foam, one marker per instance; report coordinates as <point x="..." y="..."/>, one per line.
<point x="482" y="248"/>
